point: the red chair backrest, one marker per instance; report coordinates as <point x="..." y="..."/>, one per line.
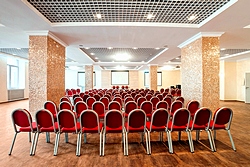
<point x="202" y="116"/>
<point x="97" y="97"/>
<point x="147" y="107"/>
<point x="141" y="100"/>
<point x="154" y="101"/>
<point x="77" y="99"/>
<point x="44" y="119"/>
<point x="66" y="119"/>
<point x="160" y="96"/>
<point x="105" y="101"/>
<point x="137" y="119"/>
<point x="180" y="99"/>
<point x="159" y="117"/>
<point x="168" y="100"/>
<point x="193" y="106"/>
<point x="114" y="105"/>
<point x="162" y="104"/>
<point x="90" y="101"/>
<point x="113" y="119"/>
<point x="181" y="118"/>
<point x="65" y="105"/>
<point x="80" y="106"/>
<point x="129" y="106"/>
<point x="223" y="116"/>
<point x="175" y="106"/>
<point x="51" y="106"/>
<point x="89" y="119"/>
<point x="21" y="118"/>
<point x="148" y="97"/>
<point x="118" y="99"/>
<point x="98" y="107"/>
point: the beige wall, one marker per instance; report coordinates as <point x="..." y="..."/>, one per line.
<point x="170" y="78"/>
<point x="3" y="77"/>
<point x="242" y="68"/>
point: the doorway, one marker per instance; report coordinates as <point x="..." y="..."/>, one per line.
<point x="247" y="87"/>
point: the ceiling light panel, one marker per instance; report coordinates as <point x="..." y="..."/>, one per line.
<point x="135" y="55"/>
<point x="167" y="11"/>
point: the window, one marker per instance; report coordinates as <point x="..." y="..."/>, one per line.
<point x="146" y="78"/>
<point x="12" y="73"/>
<point x="81" y="79"/>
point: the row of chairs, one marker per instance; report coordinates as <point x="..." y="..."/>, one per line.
<point x="89" y="122"/>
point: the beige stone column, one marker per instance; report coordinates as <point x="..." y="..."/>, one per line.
<point x="46" y="70"/>
<point x="88" y="77"/>
<point x="153" y="77"/>
<point x="200" y="69"/>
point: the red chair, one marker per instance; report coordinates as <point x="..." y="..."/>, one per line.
<point x="193" y="106"/>
<point x="178" y="92"/>
<point x="179" y="122"/>
<point x="69" y="93"/>
<point x="78" y="91"/>
<point x="129" y="106"/>
<point x="84" y="98"/>
<point x="51" y="106"/>
<point x="136" y="123"/>
<point x="65" y="105"/>
<point x="45" y="123"/>
<point x="158" y="123"/>
<point x="200" y="122"/>
<point x="162" y="104"/>
<point x="161" y="90"/>
<point x="175" y="106"/>
<point x="114" y="105"/>
<point x="127" y="99"/>
<point x="147" y="107"/>
<point x="73" y="91"/>
<point x="108" y="96"/>
<point x="90" y="101"/>
<point x="140" y="100"/>
<point x="172" y="92"/>
<point x="126" y="87"/>
<point x="222" y="121"/>
<point x="77" y="99"/>
<point x="137" y="97"/>
<point x="113" y="123"/>
<point x="89" y="123"/>
<point x="80" y="107"/>
<point x="148" y="97"/>
<point x="168" y="100"/>
<point x="97" y="97"/>
<point x="160" y="96"/>
<point x="22" y="122"/>
<point x="119" y="100"/>
<point x="133" y="94"/>
<point x="99" y="108"/>
<point x="64" y="98"/>
<point x="67" y="124"/>
<point x="180" y="98"/>
<point x="105" y="101"/>
<point x="154" y="100"/>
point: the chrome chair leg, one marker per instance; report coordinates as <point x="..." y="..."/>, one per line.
<point x="231" y="139"/>
<point x="12" y="145"/>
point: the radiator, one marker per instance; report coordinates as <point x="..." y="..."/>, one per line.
<point x="15" y="94"/>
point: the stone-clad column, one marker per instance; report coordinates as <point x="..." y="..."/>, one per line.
<point x="88" y="77"/>
<point x="153" y="77"/>
<point x="46" y="70"/>
<point x="200" y="69"/>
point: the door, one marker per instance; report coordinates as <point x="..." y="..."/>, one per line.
<point x="247" y="86"/>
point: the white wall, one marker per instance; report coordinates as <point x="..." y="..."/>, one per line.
<point x="3" y="78"/>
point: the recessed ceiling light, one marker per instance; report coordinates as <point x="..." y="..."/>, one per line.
<point x="135" y="48"/>
<point x="14" y="54"/>
<point x="157" y="48"/>
<point x="223" y="49"/>
<point x="96" y="58"/>
<point x="122" y="57"/>
<point x="110" y="47"/>
<point x="87" y="47"/>
<point x="192" y="17"/>
<point x="177" y="58"/>
<point x="150" y="16"/>
<point x="92" y="54"/>
<point x="18" y="48"/>
<point x="99" y="16"/>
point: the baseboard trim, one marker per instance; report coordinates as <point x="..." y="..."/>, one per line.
<point x="233" y="101"/>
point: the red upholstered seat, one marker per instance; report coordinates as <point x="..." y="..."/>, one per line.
<point x="113" y="123"/>
<point x="136" y="123"/>
<point x="222" y="120"/>
<point x="67" y="124"/>
<point x="22" y="122"/>
<point x="180" y="122"/>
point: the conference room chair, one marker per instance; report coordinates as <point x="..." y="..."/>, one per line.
<point x="193" y="106"/>
<point x="45" y="124"/>
<point x="114" y="105"/>
<point x="162" y="104"/>
<point x="147" y="107"/>
<point x="90" y="101"/>
<point x="67" y="123"/>
<point x="105" y="101"/>
<point x="65" y="105"/>
<point x="65" y="98"/>
<point x="113" y="123"/>
<point x="136" y="124"/>
<point x="97" y="97"/>
<point x="180" y="98"/>
<point x="129" y="106"/>
<point x="201" y="121"/>
<point x="119" y="100"/>
<point x="168" y="100"/>
<point x="137" y="96"/>
<point x="154" y="100"/>
<point x="51" y="106"/>
<point x="75" y="95"/>
<point x="222" y="120"/>
<point x="127" y="99"/>
<point x="89" y="123"/>
<point x="148" y="96"/>
<point x="160" y="96"/>
<point x="79" y="107"/>
<point x="140" y="100"/>
<point x="175" y="106"/>
<point x="179" y="122"/>
<point x="158" y="123"/>
<point x="99" y="108"/>
<point x="85" y="97"/>
<point x="77" y="99"/>
<point x="22" y="122"/>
